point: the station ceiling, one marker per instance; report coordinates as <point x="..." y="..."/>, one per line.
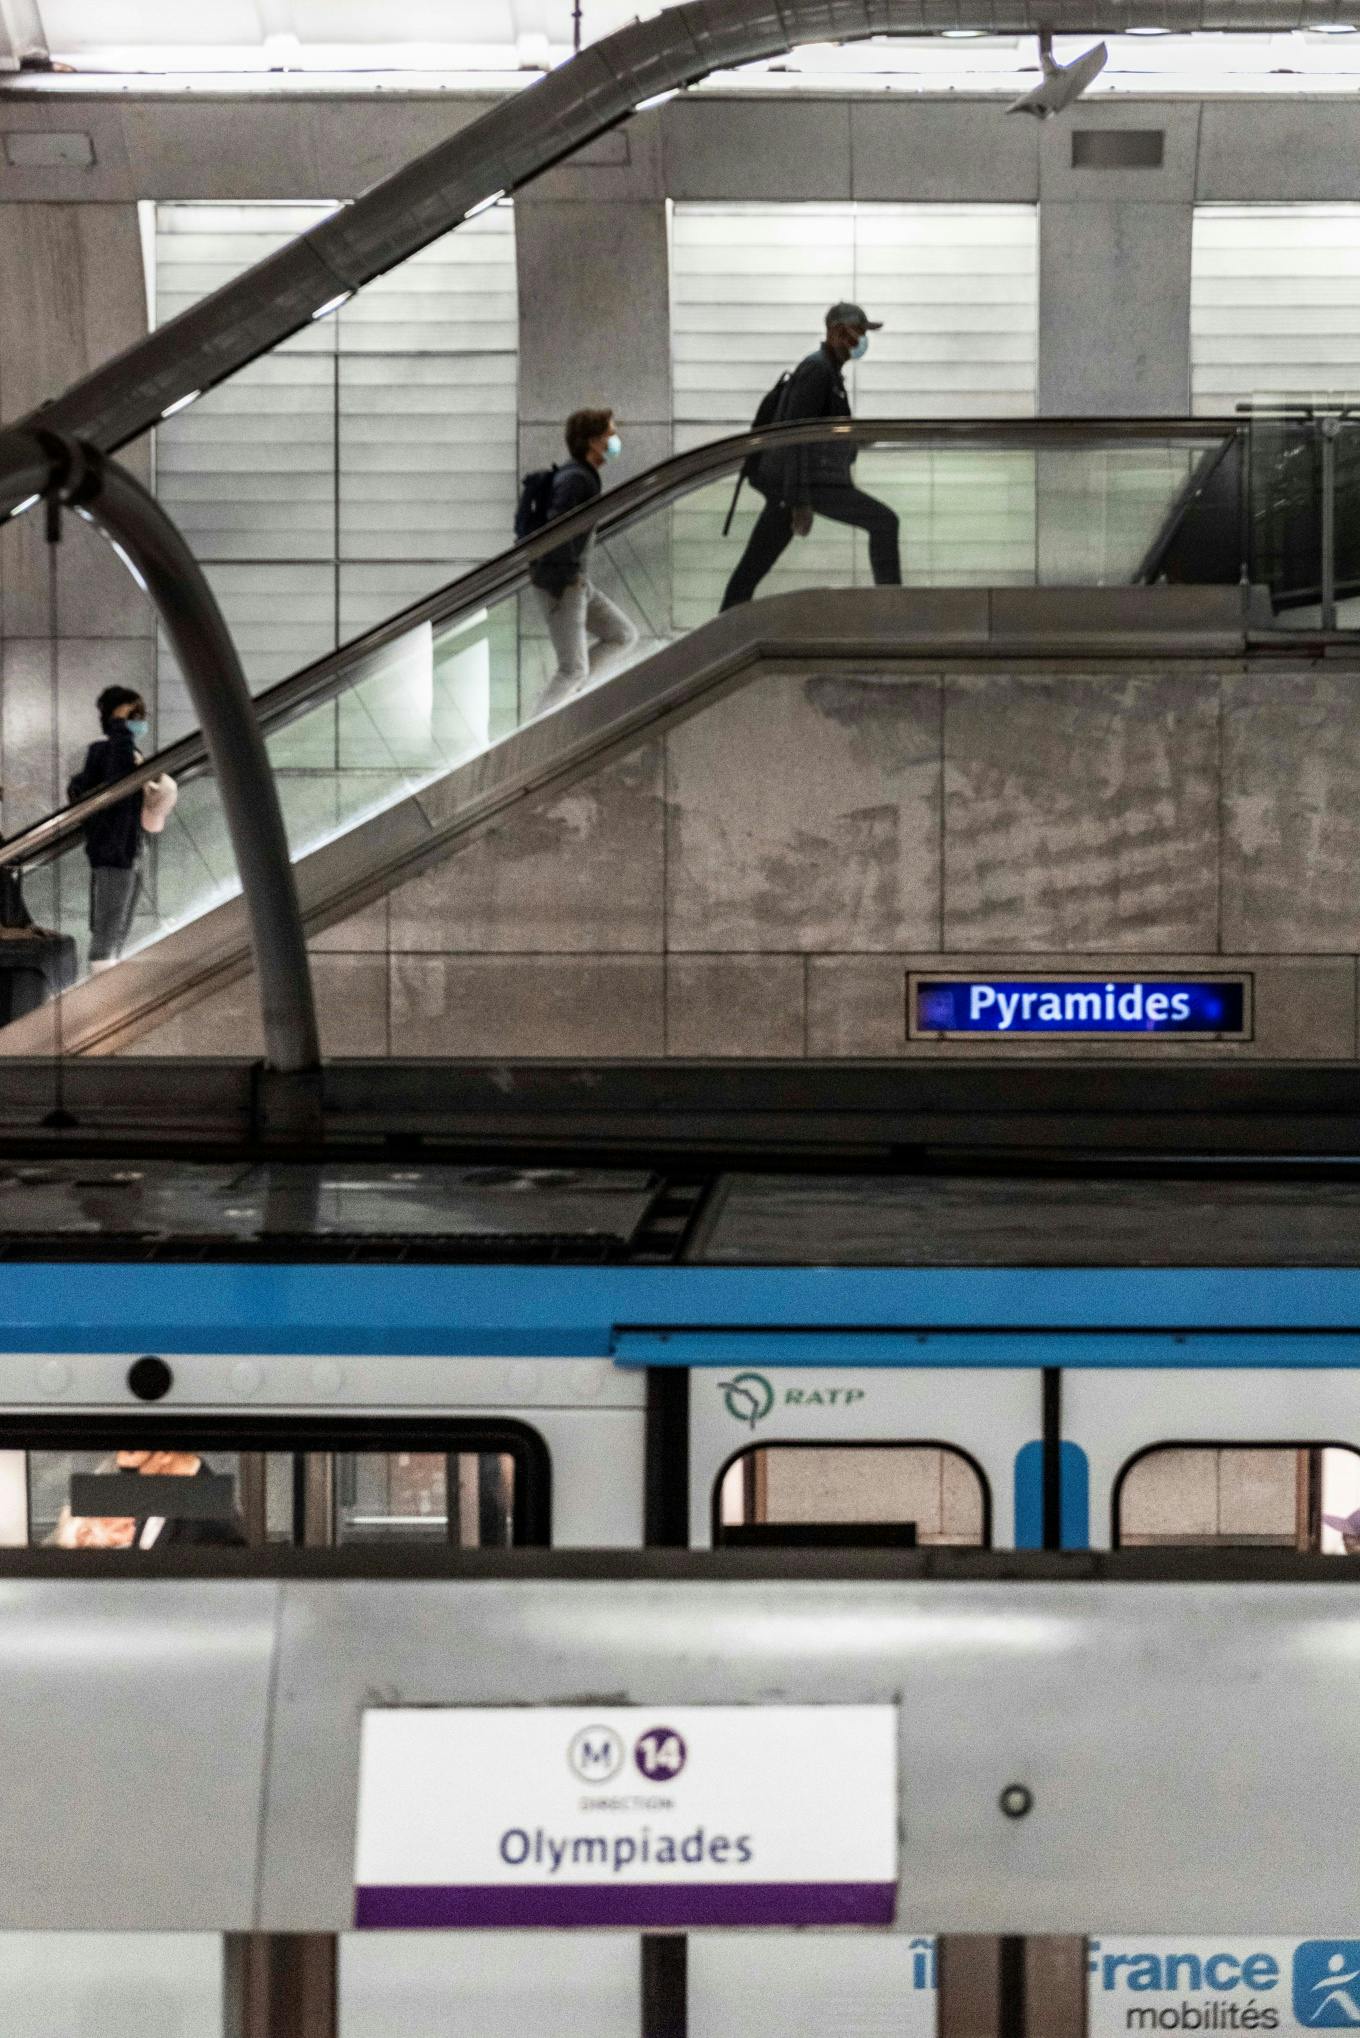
<point x="501" y="44"/>
<point x="322" y="34"/>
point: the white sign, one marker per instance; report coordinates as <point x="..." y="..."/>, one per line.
<point x="1213" y="1985"/>
<point x="619" y="1815"/>
<point x="795" y="1984"/>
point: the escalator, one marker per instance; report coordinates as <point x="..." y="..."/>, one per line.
<point x="1256" y="510"/>
<point x="404" y="745"/>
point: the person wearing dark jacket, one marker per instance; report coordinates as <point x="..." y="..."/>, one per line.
<point x="815" y="480"/>
<point x="113" y="837"/>
<point x="146" y="1531"/>
<point x="573" y="608"/>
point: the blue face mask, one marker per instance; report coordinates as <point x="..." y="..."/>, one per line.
<point x="137" y="729"/>
<point x="860" y="348"/>
<point x="613" y="446"/>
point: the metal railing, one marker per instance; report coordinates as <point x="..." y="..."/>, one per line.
<point x="61" y="474"/>
<point x="1302" y="467"/>
<point x="657" y="490"/>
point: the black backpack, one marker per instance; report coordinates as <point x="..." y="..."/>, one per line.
<point x="767" y="412"/>
<point x="535" y="502"/>
<point x="13" y="911"/>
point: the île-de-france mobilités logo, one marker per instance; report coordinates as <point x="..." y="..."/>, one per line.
<point x="1327" y="1984"/>
<point x="749" y="1397"/>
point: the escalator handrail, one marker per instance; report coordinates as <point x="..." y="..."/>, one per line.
<point x="657" y="489"/>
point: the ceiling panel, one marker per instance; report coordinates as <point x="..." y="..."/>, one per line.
<point x="87" y="27"/>
<point x="424" y="21"/>
<point x="279" y="44"/>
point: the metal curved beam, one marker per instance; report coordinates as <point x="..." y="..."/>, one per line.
<point x="40" y="463"/>
<point x="521" y="137"/>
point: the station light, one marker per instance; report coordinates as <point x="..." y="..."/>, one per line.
<point x="180" y="403"/>
<point x="129" y="562"/>
<point x="483" y="205"/>
<point x="332" y="304"/>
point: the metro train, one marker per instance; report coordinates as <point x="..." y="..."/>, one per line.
<point x="587" y="1360"/>
<point x="994" y="1362"/>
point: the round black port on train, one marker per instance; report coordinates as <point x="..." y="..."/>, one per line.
<point x="150" y="1379"/>
<point x="1017" y="1799"/>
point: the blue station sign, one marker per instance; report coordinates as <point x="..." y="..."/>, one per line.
<point x="1213" y="1008"/>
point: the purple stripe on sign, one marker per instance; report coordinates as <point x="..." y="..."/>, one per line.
<point x="385" y="1906"/>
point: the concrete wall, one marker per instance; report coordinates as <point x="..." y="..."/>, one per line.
<point x="937" y="1490"/>
<point x="758" y="880"/>
<point x="71" y="621"/>
<point x="1115" y="244"/>
<point x="1211" y="1495"/>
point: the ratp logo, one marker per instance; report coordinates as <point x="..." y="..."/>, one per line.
<point x="749" y="1397"/>
<point x="1327" y="1984"/>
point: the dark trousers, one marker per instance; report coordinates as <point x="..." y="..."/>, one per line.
<point x="113" y="900"/>
<point x="843" y="505"/>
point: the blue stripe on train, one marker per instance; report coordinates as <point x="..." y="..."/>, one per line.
<point x="668" y="1315"/>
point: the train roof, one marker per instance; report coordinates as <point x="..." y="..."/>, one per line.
<point x="1148" y="1215"/>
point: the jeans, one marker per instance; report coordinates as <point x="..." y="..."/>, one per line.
<point x="843" y="505"/>
<point x="578" y="613"/>
<point x="113" y="899"/>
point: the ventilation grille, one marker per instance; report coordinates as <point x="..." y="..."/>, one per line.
<point x="1118" y="148"/>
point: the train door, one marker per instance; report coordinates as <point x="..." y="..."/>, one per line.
<point x="1179" y="1457"/>
<point x="854" y="1457"/>
<point x="1216" y="1457"/>
<point x="146" y="1452"/>
<point x="950" y="1454"/>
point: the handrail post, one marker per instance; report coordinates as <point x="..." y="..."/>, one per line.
<point x="1330" y="429"/>
<point x="39" y="463"/>
<point x="1246" y="442"/>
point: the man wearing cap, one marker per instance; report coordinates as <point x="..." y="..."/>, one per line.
<point x="800" y="482"/>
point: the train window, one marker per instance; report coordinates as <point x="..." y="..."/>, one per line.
<point x="1239" y="1496"/>
<point x="214" y="1483"/>
<point x="202" y="1505"/>
<point x="463" y="1497"/>
<point x="925" y="1493"/>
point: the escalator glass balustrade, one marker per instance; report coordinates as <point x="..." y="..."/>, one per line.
<point x="365" y="729"/>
